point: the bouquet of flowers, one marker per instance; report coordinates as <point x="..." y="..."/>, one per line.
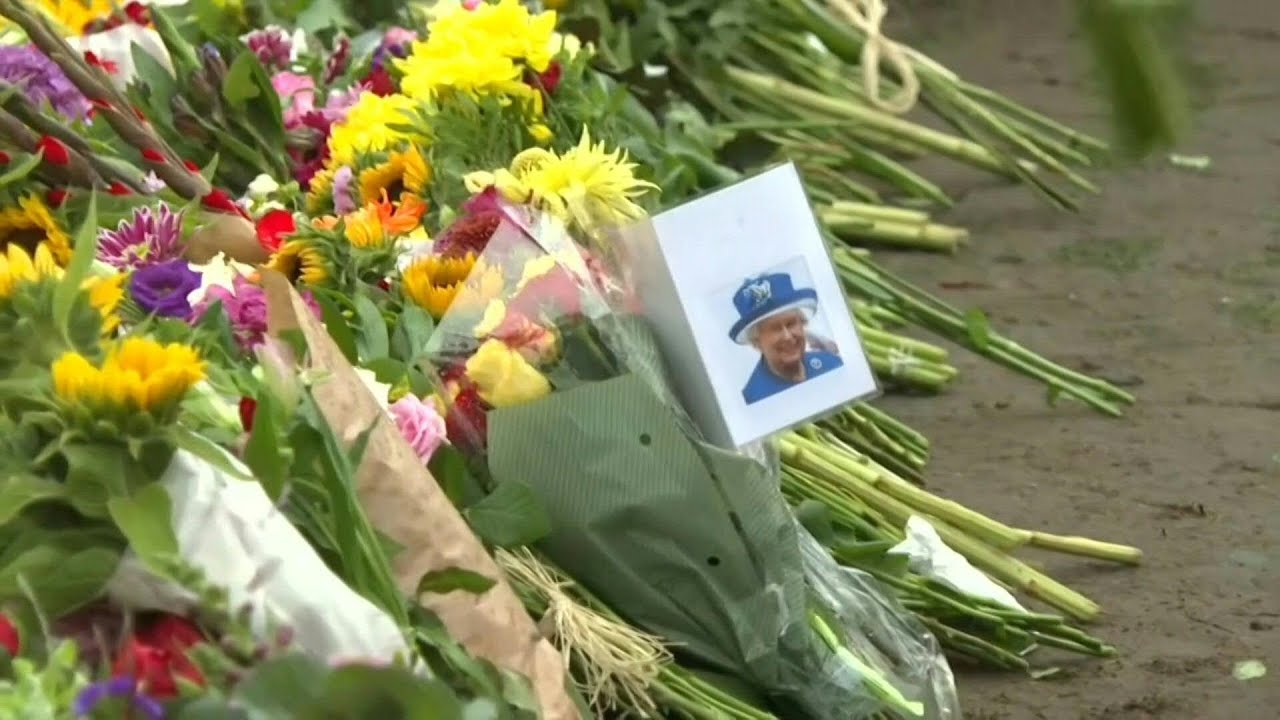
<point x="553" y="385"/>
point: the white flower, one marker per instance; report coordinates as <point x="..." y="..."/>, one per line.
<point x="262" y="187"/>
<point x="220" y="272"/>
<point x="152" y="182"/>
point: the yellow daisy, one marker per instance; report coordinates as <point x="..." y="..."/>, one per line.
<point x="30" y="225"/>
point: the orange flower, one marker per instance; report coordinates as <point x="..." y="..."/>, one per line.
<point x="379" y="223"/>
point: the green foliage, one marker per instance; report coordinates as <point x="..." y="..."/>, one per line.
<point x="45" y="692"/>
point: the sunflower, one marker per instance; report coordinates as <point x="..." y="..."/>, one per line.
<point x="403" y="171"/>
<point x="105" y="294"/>
<point x="380" y="223"/>
<point x="432" y="282"/>
<point x="139" y="374"/>
<point x="17" y="267"/>
<point x="300" y="259"/>
<point x="320" y="189"/>
<point x="30" y="225"/>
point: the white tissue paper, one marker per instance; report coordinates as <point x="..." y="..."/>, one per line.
<point x="928" y="556"/>
<point x="230" y="530"/>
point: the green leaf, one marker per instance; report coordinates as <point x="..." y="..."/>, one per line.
<point x="978" y="327"/>
<point x="19" y="171"/>
<point x="146" y="520"/>
<point x="372" y="340"/>
<point x="355" y="692"/>
<point x="153" y="81"/>
<point x="86" y="246"/>
<point x="387" y="370"/>
<point x="209" y="452"/>
<point x="322" y="15"/>
<point x="450" y="579"/>
<point x="337" y="326"/>
<point x="62" y="578"/>
<point x="240" y="86"/>
<point x="413" y="331"/>
<point x="265" y="451"/>
<point x="510" y="516"/>
<point x="19" y="491"/>
<point x="449" y="467"/>
<point x="278" y="688"/>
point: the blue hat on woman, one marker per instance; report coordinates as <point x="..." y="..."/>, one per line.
<point x="767" y="295"/>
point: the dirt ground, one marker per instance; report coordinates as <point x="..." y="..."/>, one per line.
<point x="1169" y="282"/>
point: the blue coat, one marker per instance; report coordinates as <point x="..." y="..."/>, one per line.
<point x="764" y="383"/>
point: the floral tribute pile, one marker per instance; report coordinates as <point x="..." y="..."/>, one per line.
<point x="292" y="293"/>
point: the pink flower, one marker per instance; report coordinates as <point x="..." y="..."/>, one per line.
<point x="298" y="92"/>
<point x="246" y="307"/>
<point x="343" y="202"/>
<point x="420" y="425"/>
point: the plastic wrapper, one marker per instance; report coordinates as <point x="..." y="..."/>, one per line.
<point x="553" y="380"/>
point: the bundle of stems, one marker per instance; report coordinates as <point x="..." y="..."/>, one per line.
<point x="898" y="228"/>
<point x="881" y="437"/>
<point x="863" y="278"/>
<point x="620" y="668"/>
<point x="823" y="467"/>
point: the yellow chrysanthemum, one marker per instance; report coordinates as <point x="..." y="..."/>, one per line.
<point x="403" y="171"/>
<point x="17" y="267"/>
<point x="367" y="127"/>
<point x="139" y="374"/>
<point x="432" y="282"/>
<point x="105" y="294"/>
<point x="30" y="225"/>
<point x="483" y="51"/>
<point x="586" y="185"/>
<point x="300" y="259"/>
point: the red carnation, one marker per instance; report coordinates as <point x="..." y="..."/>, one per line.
<point x="465" y="423"/>
<point x="157" y="657"/>
<point x="468" y="235"/>
<point x="55" y="153"/>
<point x="380" y="83"/>
<point x="273" y="228"/>
<point x="9" y="639"/>
<point x="248" y="407"/>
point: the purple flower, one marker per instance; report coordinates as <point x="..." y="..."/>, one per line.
<point x="342" y="198"/>
<point x="119" y="687"/>
<point x="162" y="289"/>
<point x="152" y="236"/>
<point x="272" y="45"/>
<point x="41" y="80"/>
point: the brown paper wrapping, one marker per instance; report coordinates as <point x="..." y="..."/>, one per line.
<point x="225" y="233"/>
<point x="404" y="501"/>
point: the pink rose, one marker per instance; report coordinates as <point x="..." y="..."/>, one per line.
<point x="420" y="425"/>
<point x="298" y="92"/>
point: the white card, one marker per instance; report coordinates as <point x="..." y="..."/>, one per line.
<point x="748" y="309"/>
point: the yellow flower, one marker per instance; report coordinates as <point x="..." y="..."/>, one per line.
<point x="380" y="223"/>
<point x="483" y="285"/>
<point x="432" y="282"/>
<point x="503" y="377"/>
<point x="540" y="133"/>
<point x="483" y="51"/>
<point x="320" y="189"/>
<point x="17" y="267"/>
<point x="105" y="294"/>
<point x="585" y="185"/>
<point x="31" y="225"/>
<point x="300" y="259"/>
<point x="71" y="16"/>
<point x="139" y="374"/>
<point x="402" y="171"/>
<point x="367" y="127"/>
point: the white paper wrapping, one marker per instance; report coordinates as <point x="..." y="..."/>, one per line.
<point x="931" y="558"/>
<point x="229" y="529"/>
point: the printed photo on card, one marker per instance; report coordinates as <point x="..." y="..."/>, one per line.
<point x="741" y="292"/>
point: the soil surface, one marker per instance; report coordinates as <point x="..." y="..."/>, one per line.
<point x="1169" y="282"/>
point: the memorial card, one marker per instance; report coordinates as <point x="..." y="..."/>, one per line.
<point x="740" y="290"/>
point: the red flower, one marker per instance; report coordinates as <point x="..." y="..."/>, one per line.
<point x="157" y="657"/>
<point x="380" y="83"/>
<point x="9" y="639"/>
<point x="550" y="78"/>
<point x="4" y="158"/>
<point x="118" y="188"/>
<point x="468" y="235"/>
<point x="191" y="166"/>
<point x="55" y="153"/>
<point x="273" y="228"/>
<point x="465" y="423"/>
<point x="152" y="155"/>
<point x="220" y="201"/>
<point x="56" y="196"/>
<point x="138" y="13"/>
<point x="248" y="406"/>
